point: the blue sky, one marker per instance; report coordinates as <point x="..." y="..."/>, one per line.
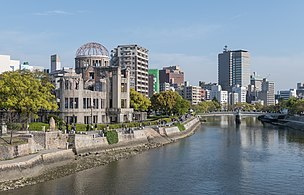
<point x="186" y="33"/>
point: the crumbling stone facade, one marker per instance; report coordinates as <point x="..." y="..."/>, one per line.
<point x="94" y="92"/>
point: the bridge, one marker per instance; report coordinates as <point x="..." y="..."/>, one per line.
<point x="246" y="113"/>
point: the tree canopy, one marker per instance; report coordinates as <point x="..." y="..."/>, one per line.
<point x="138" y="101"/>
<point x="207" y="106"/>
<point x="169" y="102"/>
<point x="293" y="104"/>
<point x="26" y="93"/>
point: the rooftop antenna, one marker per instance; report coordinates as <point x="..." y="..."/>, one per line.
<point x="225" y="48"/>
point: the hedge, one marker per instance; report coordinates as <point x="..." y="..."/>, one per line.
<point x="14" y="126"/>
<point x="180" y="126"/>
<point x="37" y="126"/>
<point x="112" y="137"/>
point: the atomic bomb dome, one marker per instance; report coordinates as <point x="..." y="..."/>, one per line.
<point x="92" y="49"/>
<point x="91" y="55"/>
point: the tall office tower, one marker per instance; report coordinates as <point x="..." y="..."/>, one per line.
<point x="55" y="63"/>
<point x="233" y="68"/>
<point x="267" y="93"/>
<point x="172" y="75"/>
<point x="136" y="58"/>
<point x="254" y="88"/>
<point x="153" y="81"/>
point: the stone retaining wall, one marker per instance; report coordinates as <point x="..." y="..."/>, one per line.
<point x="34" y="166"/>
<point x="13" y="151"/>
<point x="50" y="140"/>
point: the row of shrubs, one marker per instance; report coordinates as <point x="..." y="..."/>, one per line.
<point x="38" y="126"/>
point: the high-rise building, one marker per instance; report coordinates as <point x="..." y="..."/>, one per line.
<point x="153" y="81"/>
<point x="241" y="91"/>
<point x="233" y="68"/>
<point x="219" y="94"/>
<point x="6" y="64"/>
<point x="254" y="88"/>
<point x="136" y="58"/>
<point x="172" y="75"/>
<point x="191" y="93"/>
<point x="267" y="93"/>
<point x="55" y="63"/>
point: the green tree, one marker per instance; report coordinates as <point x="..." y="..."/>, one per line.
<point x="26" y="93"/>
<point x="138" y="101"/>
<point x="168" y="102"/>
<point x="181" y="106"/>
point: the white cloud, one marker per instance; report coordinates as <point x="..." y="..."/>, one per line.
<point x="53" y="13"/>
<point x="196" y="68"/>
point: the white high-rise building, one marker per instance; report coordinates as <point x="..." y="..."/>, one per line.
<point x="242" y="93"/>
<point x="219" y="94"/>
<point x="6" y="64"/>
<point x="55" y="63"/>
<point x="136" y="58"/>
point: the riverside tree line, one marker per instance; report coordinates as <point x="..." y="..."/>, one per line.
<point x="26" y="93"/>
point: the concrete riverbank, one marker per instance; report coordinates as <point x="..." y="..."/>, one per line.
<point x="87" y="153"/>
<point x="294" y="122"/>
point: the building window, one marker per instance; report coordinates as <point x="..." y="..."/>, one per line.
<point x="76" y="85"/>
<point x="97" y="104"/>
<point x="123" y="103"/>
<point x="66" y="85"/>
<point x="76" y="103"/>
<point x="66" y="103"/>
<point x="71" y="102"/>
<point x="84" y="103"/>
<point x="124" y="87"/>
<point x="86" y="119"/>
<point x="102" y="103"/>
<point x="95" y="119"/>
<point x="88" y="102"/>
<point x="91" y="75"/>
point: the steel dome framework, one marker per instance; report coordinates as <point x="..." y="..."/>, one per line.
<point x="92" y="49"/>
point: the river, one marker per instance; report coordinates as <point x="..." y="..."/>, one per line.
<point x="219" y="158"/>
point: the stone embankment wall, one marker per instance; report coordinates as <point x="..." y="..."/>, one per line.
<point x="36" y="141"/>
<point x="50" y="140"/>
<point x="162" y="135"/>
<point x="34" y="165"/>
<point x="295" y="122"/>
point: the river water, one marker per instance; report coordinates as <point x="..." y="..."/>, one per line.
<point x="219" y="159"/>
